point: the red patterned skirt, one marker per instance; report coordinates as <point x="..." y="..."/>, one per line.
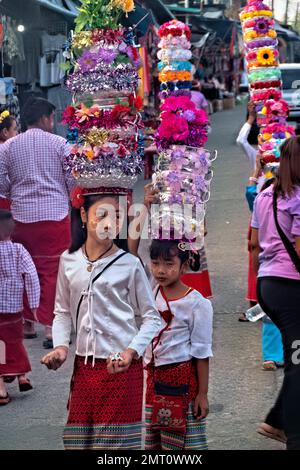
<point x="45" y="241"/>
<point x="105" y="410"/>
<point x="13" y="356"/>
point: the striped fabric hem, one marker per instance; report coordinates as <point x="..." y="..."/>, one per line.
<point x="193" y="439"/>
<point x="103" y="436"/>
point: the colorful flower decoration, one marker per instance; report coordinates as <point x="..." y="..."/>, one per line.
<point x="105" y="126"/>
<point x="182" y="173"/>
<point x="265" y="77"/>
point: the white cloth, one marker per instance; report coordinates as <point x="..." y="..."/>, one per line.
<point x="111" y="309"/>
<point x="190" y="331"/>
<point x="242" y="140"/>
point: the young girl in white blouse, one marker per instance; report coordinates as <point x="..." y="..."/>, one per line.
<point x="178" y="358"/>
<point x="106" y="294"/>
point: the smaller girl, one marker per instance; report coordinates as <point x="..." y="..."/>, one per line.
<point x="17" y="271"/>
<point x="179" y="356"/>
<point x="8" y="129"/>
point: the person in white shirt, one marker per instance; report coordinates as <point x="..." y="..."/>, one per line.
<point x="105" y="293"/>
<point x="242" y="139"/>
<point x="178" y="358"/>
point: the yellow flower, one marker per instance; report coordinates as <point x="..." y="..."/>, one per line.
<point x="264" y="110"/>
<point x="128" y="5"/>
<point x="250" y="35"/>
<point x="82" y="40"/>
<point x="272" y="33"/>
<point x="4" y="115"/>
<point x="125" y="5"/>
<point x="96" y="136"/>
<point x="88" y="152"/>
<point x="265" y="56"/>
<point x="267" y="136"/>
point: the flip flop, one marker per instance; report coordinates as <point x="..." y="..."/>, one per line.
<point x="243" y="318"/>
<point x="30" y="335"/>
<point x="25" y="385"/>
<point x="265" y="430"/>
<point x="269" y="365"/>
<point x="8" y="379"/>
<point x="4" y="400"/>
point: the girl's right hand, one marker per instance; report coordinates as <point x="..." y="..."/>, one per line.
<point x="55" y="359"/>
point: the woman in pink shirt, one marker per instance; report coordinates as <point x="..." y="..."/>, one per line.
<point x="276" y="259"/>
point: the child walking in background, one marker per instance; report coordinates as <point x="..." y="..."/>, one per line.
<point x="178" y="358"/>
<point x="106" y="294"/>
<point x="17" y="272"/>
<point x="8" y="129"/>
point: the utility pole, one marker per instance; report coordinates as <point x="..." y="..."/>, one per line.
<point x="286" y="11"/>
<point x="297" y="16"/>
<point x="187" y="5"/>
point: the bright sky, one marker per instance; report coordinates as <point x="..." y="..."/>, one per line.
<point x="280" y="6"/>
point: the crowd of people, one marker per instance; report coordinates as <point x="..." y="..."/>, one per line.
<point x="69" y="270"/>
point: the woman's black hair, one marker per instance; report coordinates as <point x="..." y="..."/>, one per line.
<point x="78" y="233"/>
<point x="7" y="123"/>
<point x="35" y="108"/>
<point x="167" y="249"/>
<point x="7" y="224"/>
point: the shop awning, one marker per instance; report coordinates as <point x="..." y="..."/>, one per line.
<point x="65" y="7"/>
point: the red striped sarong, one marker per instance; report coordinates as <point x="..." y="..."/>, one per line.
<point x="45" y="241"/>
<point x="13" y="356"/>
<point x="105" y="410"/>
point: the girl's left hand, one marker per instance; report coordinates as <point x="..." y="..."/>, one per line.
<point x="116" y="367"/>
<point x="201" y="406"/>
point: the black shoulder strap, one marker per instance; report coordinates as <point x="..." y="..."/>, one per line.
<point x="287" y="243"/>
<point x="94" y="280"/>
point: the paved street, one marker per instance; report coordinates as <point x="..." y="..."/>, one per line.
<point x="240" y="392"/>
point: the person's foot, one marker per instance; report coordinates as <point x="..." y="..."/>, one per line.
<point x="243" y="317"/>
<point x="29" y="330"/>
<point x="269" y="365"/>
<point x="272" y="433"/>
<point x="24" y="384"/>
<point x="4" y="400"/>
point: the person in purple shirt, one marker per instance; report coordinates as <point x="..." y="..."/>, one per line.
<point x="278" y="287"/>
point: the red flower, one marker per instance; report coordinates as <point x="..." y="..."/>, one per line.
<point x="77" y="199"/>
<point x="178" y="103"/>
<point x="68" y="115"/>
<point x="118" y="110"/>
<point x="136" y="103"/>
<point x="122" y="150"/>
<point x="174" y="128"/>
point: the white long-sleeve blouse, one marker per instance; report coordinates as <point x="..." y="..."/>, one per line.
<point x="112" y="307"/>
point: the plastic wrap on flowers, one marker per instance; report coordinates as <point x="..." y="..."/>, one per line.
<point x="264" y="76"/>
<point x="183" y="171"/>
<point x="105" y="125"/>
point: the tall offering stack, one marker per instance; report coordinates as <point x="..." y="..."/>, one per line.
<point x="183" y="170"/>
<point x="104" y="121"/>
<point x="264" y="77"/>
